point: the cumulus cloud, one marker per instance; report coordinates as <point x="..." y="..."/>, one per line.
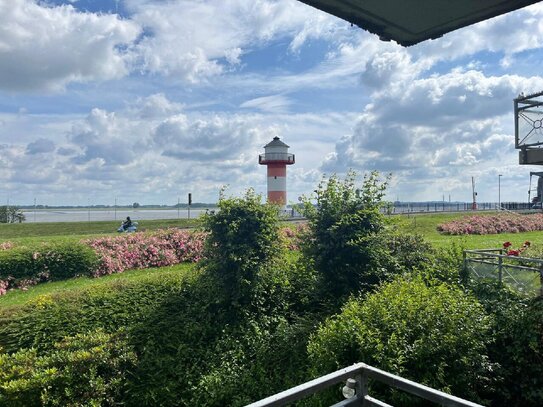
<point x="446" y="125"/>
<point x="40" y="146"/>
<point x="217" y="138"/>
<point x="197" y="40"/>
<point x="46" y="47"/>
<point x="107" y="139"/>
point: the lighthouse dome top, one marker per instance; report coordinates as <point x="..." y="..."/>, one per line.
<point x="276" y="142"/>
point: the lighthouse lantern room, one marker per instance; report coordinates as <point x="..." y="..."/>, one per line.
<point x="276" y="157"/>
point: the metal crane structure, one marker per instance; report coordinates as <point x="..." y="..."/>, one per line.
<point x="409" y="22"/>
<point x="529" y="128"/>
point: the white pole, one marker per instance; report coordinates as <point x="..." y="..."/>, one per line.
<point x="499" y="192"/>
<point x="34" y="210"/>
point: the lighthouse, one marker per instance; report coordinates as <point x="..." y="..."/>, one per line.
<point x="276" y="157"/>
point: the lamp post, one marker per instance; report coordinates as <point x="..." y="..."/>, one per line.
<point x="499" y="192"/>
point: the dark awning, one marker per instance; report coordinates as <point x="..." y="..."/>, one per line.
<point x="411" y="21"/>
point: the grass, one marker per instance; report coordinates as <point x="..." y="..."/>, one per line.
<point x="18" y="297"/>
<point x="426" y="225"/>
<point x="32" y="232"/>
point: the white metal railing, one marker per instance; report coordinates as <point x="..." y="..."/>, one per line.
<point x="522" y="273"/>
<point x="357" y="377"/>
<point x="284" y="157"/>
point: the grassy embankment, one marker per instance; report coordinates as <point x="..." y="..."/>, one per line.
<point x="424" y="224"/>
<point x="66" y="231"/>
<point x="83" y="284"/>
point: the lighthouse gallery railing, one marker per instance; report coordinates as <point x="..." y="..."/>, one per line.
<point x="276" y="157"/>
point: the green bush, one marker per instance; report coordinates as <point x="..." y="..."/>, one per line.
<point x="346" y="241"/>
<point x="123" y="303"/>
<point x="433" y="335"/>
<point x="243" y="238"/>
<point x="258" y="359"/>
<point x="47" y="261"/>
<point x="411" y="252"/>
<point x="84" y="370"/>
<point x="517" y="345"/>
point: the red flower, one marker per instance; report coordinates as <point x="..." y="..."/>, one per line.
<point x="506" y="245"/>
<point x="513" y="253"/>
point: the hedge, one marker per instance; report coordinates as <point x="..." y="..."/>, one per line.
<point x="28" y="265"/>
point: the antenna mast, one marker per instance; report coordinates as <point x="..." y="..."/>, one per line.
<point x="474" y="204"/>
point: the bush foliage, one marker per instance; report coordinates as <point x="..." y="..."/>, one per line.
<point x="249" y="320"/>
<point x="28" y="265"/>
<point x="346" y="241"/>
<point x="434" y="335"/>
<point x="83" y="370"/>
<point x="243" y="239"/>
<point x="489" y="225"/>
<point x="21" y="266"/>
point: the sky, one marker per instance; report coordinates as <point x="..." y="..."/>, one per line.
<point x="148" y="100"/>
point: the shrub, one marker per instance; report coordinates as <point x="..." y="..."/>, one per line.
<point x="139" y="250"/>
<point x="487" y="225"/>
<point x="123" y="303"/>
<point x="258" y="359"/>
<point x="433" y="335"/>
<point x="27" y="265"/>
<point x="243" y="238"/>
<point x="517" y="345"/>
<point x="411" y="252"/>
<point x="346" y="241"/>
<point x="86" y="369"/>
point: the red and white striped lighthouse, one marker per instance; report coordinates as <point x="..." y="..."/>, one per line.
<point x="276" y="157"/>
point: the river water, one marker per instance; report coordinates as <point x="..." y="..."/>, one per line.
<point x="82" y="215"/>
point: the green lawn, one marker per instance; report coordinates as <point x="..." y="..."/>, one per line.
<point x="18" y="297"/>
<point x="426" y="225"/>
<point x="32" y="232"/>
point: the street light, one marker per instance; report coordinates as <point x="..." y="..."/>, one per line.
<point x="499" y="192"/>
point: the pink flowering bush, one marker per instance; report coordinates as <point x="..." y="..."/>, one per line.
<point x="138" y="250"/>
<point x="293" y="236"/>
<point x="22" y="267"/>
<point x="489" y="225"/>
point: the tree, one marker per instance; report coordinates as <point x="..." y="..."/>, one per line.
<point x="11" y="214"/>
<point x="346" y="241"/>
<point x="135" y="205"/>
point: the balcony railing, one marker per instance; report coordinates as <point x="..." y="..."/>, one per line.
<point x="280" y="158"/>
<point x="357" y="387"/>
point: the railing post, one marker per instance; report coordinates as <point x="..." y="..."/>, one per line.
<point x="465" y="263"/>
<point x="362" y="388"/>
<point x="500" y="268"/>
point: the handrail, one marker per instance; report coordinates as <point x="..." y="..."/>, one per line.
<point x="523" y="264"/>
<point x="485" y="252"/>
<point x="362" y="372"/>
<point x="286" y="157"/>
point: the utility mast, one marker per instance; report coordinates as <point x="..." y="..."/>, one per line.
<point x="474" y="204"/>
